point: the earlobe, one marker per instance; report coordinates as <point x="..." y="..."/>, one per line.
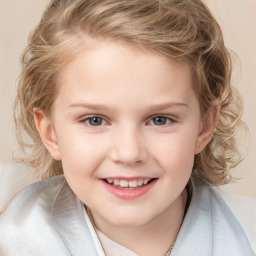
<point x="45" y="129"/>
<point x="208" y="126"/>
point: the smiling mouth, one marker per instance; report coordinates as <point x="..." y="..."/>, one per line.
<point x="128" y="184"/>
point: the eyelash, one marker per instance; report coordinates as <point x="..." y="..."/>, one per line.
<point x="87" y="120"/>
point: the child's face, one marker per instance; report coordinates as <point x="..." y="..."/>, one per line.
<point x="126" y="116"/>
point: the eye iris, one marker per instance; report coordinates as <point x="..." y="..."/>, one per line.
<point x="159" y="120"/>
<point x="94" y="121"/>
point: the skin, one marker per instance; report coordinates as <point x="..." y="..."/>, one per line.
<point x="128" y="87"/>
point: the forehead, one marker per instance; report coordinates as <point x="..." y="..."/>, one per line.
<point x="107" y="68"/>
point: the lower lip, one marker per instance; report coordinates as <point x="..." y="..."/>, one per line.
<point x="128" y="194"/>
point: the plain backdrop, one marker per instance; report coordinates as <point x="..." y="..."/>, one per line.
<point x="237" y="19"/>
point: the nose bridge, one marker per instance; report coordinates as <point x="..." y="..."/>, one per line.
<point x="128" y="145"/>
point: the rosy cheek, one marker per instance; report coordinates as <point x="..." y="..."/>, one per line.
<point x="180" y="155"/>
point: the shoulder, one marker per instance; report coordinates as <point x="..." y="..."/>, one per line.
<point x="27" y="216"/>
<point x="45" y="218"/>
<point x="30" y="196"/>
<point x="211" y="227"/>
<point x="244" y="208"/>
<point x="238" y="211"/>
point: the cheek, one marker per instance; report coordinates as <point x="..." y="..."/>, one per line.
<point x="80" y="153"/>
<point x="176" y="154"/>
<point x="80" y="159"/>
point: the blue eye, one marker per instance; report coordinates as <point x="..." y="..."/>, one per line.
<point x="95" y="121"/>
<point x="161" y="120"/>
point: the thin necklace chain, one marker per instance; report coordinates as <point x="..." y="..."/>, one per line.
<point x="170" y="250"/>
<point x="189" y="190"/>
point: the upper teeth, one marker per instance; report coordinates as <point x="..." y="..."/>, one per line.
<point x="128" y="183"/>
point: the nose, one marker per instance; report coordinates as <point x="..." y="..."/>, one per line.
<point x="128" y="147"/>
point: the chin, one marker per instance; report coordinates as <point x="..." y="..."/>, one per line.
<point x="130" y="219"/>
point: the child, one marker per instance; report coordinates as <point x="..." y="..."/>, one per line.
<point x="131" y="118"/>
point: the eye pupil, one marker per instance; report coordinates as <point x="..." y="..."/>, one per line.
<point x="159" y="120"/>
<point x="94" y="121"/>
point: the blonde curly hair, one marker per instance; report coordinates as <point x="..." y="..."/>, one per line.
<point x="179" y="29"/>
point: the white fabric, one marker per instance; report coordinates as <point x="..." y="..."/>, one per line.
<point x="111" y="248"/>
<point x="47" y="219"/>
<point x="94" y="233"/>
<point x="244" y="209"/>
<point x="13" y="178"/>
<point x="210" y="227"/>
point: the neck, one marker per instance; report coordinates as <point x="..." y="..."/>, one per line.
<point x="153" y="238"/>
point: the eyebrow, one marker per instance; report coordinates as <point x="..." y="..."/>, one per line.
<point x="157" y="107"/>
<point x="88" y="105"/>
<point x="168" y="105"/>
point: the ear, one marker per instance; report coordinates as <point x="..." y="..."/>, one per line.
<point x="46" y="130"/>
<point x="208" y="125"/>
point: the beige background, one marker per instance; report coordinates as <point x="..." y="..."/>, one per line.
<point x="237" y="19"/>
